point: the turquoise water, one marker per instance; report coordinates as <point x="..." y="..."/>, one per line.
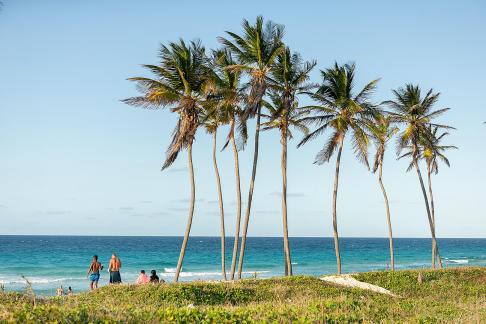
<point x="51" y="261"/>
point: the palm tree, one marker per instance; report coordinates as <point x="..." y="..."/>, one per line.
<point x="256" y="51"/>
<point x="212" y="119"/>
<point x="178" y="83"/>
<point x="382" y="132"/>
<point x="342" y="111"/>
<point x="282" y="119"/>
<point x="289" y="77"/>
<point x="415" y="113"/>
<point x="225" y="84"/>
<point x="432" y="151"/>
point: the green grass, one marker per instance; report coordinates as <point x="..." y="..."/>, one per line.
<point x="452" y="295"/>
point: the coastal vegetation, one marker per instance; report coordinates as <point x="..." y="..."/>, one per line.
<point x="255" y="75"/>
<point x="459" y="295"/>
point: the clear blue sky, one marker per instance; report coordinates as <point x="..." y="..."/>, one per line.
<point x="75" y="160"/>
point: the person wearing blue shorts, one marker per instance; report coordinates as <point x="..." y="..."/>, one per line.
<point x="94" y="272"/>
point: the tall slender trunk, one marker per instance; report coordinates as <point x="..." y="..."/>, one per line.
<point x="435" y="252"/>
<point x="429" y="215"/>
<point x="191" y="213"/>
<point x="388" y="219"/>
<point x="433" y="218"/>
<point x="221" y="208"/>
<point x="250" y="195"/>
<point x="238" y="208"/>
<point x="334" y="200"/>
<point x="288" y="261"/>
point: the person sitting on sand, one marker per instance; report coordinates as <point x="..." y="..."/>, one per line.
<point x="153" y="277"/>
<point x="60" y="291"/>
<point x="70" y="291"/>
<point x="94" y="272"/>
<point x="142" y="278"/>
<point x="114" y="269"/>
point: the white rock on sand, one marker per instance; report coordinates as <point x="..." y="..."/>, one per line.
<point x="348" y="281"/>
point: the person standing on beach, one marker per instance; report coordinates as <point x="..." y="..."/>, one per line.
<point x="114" y="269"/>
<point x="94" y="272"/>
<point x="60" y="291"/>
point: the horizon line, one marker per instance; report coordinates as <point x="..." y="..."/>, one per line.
<point x="217" y="236"/>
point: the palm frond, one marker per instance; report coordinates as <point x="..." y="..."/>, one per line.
<point x="328" y="150"/>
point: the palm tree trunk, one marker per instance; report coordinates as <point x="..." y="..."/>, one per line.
<point x="250" y="195"/>
<point x="221" y="208"/>
<point x="288" y="261"/>
<point x="238" y="208"/>
<point x="334" y="200"/>
<point x="435" y="252"/>
<point x="388" y="219"/>
<point x="429" y="215"/>
<point x="191" y="213"/>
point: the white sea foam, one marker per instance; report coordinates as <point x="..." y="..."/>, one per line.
<point x="458" y="261"/>
<point x="202" y="274"/>
<point x="169" y="273"/>
<point x="10" y="281"/>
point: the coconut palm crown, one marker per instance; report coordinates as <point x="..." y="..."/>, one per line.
<point x="255" y="50"/>
<point x="228" y="94"/>
<point x="178" y="83"/>
<point x="430" y="149"/>
<point x="342" y="111"/>
<point x="278" y="117"/>
<point x="415" y="114"/>
<point x="382" y="131"/>
<point x="434" y="151"/>
<point x="290" y="76"/>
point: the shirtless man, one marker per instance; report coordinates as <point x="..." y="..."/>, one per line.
<point x="114" y="268"/>
<point x="94" y="272"/>
<point x="60" y="291"/>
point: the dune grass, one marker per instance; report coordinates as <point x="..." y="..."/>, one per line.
<point x="451" y="295"/>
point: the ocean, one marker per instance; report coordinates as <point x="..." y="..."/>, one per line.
<point x="51" y="261"/>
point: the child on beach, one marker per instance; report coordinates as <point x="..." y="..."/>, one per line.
<point x="142" y="278"/>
